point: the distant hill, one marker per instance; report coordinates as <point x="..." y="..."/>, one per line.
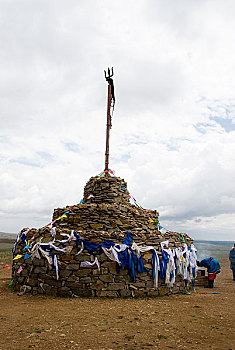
<point x="7" y="237"/>
<point x="216" y="249"/>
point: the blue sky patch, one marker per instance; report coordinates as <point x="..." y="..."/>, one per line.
<point x="226" y="123"/>
<point x="72" y="146"/>
<point x="27" y="162"/>
<point x="45" y="155"/>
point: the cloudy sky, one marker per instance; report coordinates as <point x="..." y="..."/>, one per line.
<point x="173" y="136"/>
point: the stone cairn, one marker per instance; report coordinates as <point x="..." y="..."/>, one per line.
<point x="105" y="214"/>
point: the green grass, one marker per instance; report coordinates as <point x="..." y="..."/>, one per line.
<point x="6" y="253"/>
<point x="6" y="247"/>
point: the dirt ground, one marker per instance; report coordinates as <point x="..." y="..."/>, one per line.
<point x="195" y="321"/>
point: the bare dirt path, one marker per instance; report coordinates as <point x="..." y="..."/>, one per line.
<point x="195" y="321"/>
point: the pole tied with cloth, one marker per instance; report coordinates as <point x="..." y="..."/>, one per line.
<point x="110" y="106"/>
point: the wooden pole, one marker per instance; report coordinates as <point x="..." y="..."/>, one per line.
<point x="108" y="127"/>
<point x="108" y="77"/>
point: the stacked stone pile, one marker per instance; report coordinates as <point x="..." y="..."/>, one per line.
<point x="104" y="216"/>
<point x="106" y="207"/>
<point x="38" y="276"/>
<point x="106" y="189"/>
<point x="202" y="278"/>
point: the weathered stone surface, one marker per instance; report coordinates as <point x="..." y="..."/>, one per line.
<point x="54" y="283"/>
<point x="65" y="293"/>
<point x="81" y="257"/>
<point x="149" y="283"/>
<point x="107" y="278"/>
<point x="24" y="272"/>
<point x="98" y="285"/>
<point x="138" y="284"/>
<point x="125" y="278"/>
<point x="152" y="293"/>
<point x="32" y="282"/>
<point x="149" y="266"/>
<point x="85" y="279"/>
<point x="40" y="269"/>
<point x="50" y="290"/>
<point x="66" y="289"/>
<point x="115" y="286"/>
<point x="83" y="272"/>
<point x="96" y="226"/>
<point x="21" y="280"/>
<point x="107" y="293"/>
<point x="125" y="292"/>
<point x="65" y="273"/>
<point x="132" y="287"/>
<point x="66" y="257"/>
<point x="139" y="293"/>
<point x="175" y="290"/>
<point x="142" y="274"/>
<point x="39" y="262"/>
<point x="123" y="272"/>
<point x="105" y="215"/>
<point x="81" y="292"/>
<point x="72" y="278"/>
<point x="163" y="291"/>
<point x="147" y="256"/>
<point x="112" y="267"/>
<point x="74" y="285"/>
<point x="72" y="267"/>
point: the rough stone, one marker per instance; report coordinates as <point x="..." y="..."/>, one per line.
<point x="32" y="282"/>
<point x="81" y="292"/>
<point x="84" y="272"/>
<point x="65" y="273"/>
<point x="152" y="293"/>
<point x="107" y="293"/>
<point x="39" y="269"/>
<point x="72" y="267"/>
<point x="104" y="216"/>
<point x="98" y="285"/>
<point x="72" y="278"/>
<point x="54" y="283"/>
<point x="112" y="267"/>
<point x="125" y="278"/>
<point x="115" y="286"/>
<point x="163" y="291"/>
<point x="125" y="293"/>
<point x="107" y="278"/>
<point x="85" y="279"/>
<point x="139" y="284"/>
<point x="139" y="293"/>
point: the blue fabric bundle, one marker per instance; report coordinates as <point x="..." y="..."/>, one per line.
<point x="23" y="237"/>
<point x="127" y="257"/>
<point x="165" y="259"/>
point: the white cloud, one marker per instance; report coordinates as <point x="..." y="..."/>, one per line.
<point x="173" y="134"/>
